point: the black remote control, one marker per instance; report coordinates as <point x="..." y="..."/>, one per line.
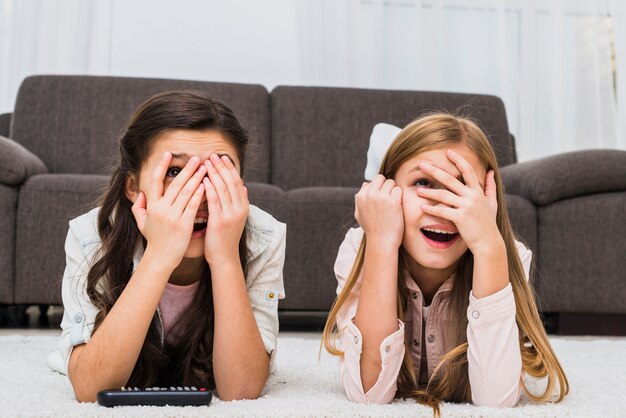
<point x="156" y="396"/>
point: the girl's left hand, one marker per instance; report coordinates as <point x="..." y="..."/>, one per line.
<point x="227" y="201"/>
<point x="470" y="207"/>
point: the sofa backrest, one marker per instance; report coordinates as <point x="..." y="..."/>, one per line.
<point x="73" y="122"/>
<point x="320" y="135"/>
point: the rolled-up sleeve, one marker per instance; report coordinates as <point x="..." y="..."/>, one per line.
<point x="391" y="353"/>
<point x="266" y="288"/>
<point x="391" y="349"/>
<point x="79" y="313"/>
<point x="493" y="353"/>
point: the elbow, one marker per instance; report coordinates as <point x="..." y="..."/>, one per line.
<point x="84" y="394"/>
<point x="240" y="394"/>
<point x="241" y="389"/>
<point x="509" y="400"/>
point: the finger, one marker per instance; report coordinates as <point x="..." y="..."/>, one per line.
<point x="218" y="185"/>
<point x="213" y="201"/>
<point x="194" y="203"/>
<point x="440" y="195"/>
<point x="396" y="194"/>
<point x="467" y="171"/>
<point x="387" y="186"/>
<point x="491" y="189"/>
<point x="441" y="212"/>
<point x="443" y="177"/>
<point x="181" y="179"/>
<point x="377" y="182"/>
<point x="231" y="178"/>
<point x="231" y="167"/>
<point x="139" y="210"/>
<point x="155" y="191"/>
<point x="356" y="208"/>
<point x="188" y="191"/>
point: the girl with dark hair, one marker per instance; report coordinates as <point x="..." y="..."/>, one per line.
<point x="174" y="279"/>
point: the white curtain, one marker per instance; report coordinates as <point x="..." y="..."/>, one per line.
<point x="549" y="60"/>
<point x="558" y="65"/>
<point x="51" y="37"/>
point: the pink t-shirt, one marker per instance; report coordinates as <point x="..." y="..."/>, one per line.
<point x="174" y="301"/>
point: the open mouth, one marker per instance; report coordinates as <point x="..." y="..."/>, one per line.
<point x="439" y="235"/>
<point x="199" y="224"/>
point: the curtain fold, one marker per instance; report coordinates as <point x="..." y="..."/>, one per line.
<point x="551" y="62"/>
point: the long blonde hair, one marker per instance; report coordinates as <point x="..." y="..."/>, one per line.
<point x="450" y="381"/>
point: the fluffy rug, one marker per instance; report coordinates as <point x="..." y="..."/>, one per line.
<point x="305" y="386"/>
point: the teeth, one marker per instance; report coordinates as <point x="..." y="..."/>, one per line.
<point x="439" y="231"/>
<point x="199" y="221"/>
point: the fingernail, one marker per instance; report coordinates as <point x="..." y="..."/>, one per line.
<point x="452" y="153"/>
<point x="166" y="155"/>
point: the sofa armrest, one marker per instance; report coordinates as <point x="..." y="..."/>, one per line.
<point x="17" y="163"/>
<point x="567" y="175"/>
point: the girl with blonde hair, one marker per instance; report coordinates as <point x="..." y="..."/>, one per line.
<point x="433" y="299"/>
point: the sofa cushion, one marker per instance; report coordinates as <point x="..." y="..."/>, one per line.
<point x="523" y="216"/>
<point x="46" y="204"/>
<point x="73" y="122"/>
<point x="317" y="220"/>
<point x="17" y="163"/>
<point x="320" y="135"/>
<point x="582" y="265"/>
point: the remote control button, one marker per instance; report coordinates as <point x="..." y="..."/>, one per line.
<point x="186" y="388"/>
<point x="202" y="389"/>
<point x="156" y="389"/>
<point x="179" y="388"/>
<point x="194" y="388"/>
<point x="172" y="388"/>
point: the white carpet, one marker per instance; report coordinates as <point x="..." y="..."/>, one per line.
<point x="304" y="386"/>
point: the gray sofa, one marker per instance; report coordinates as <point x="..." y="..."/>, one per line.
<point x="308" y="160"/>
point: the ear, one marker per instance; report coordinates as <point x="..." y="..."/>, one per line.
<point x="131" y="188"/>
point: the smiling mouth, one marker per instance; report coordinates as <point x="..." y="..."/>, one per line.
<point x="439" y="235"/>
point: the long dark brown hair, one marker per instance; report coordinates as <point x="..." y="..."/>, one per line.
<point x="188" y="362"/>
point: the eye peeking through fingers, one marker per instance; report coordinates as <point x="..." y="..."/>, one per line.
<point x="172" y="171"/>
<point x="422" y="183"/>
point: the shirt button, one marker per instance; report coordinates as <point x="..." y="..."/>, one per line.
<point x="356" y="339"/>
<point x="475" y="314"/>
<point x="431" y="338"/>
<point x="387" y="349"/>
<point x="414" y="295"/>
<point x="78" y="318"/>
<point x="415" y="343"/>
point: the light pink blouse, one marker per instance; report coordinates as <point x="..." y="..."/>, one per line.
<point x="494" y="358"/>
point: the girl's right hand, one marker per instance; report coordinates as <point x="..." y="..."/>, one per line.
<point x="166" y="219"/>
<point x="378" y="209"/>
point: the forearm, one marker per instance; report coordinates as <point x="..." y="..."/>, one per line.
<point x="376" y="315"/>
<point x="108" y="359"/>
<point x="240" y="362"/>
<point x="491" y="269"/>
<point x="493" y="353"/>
